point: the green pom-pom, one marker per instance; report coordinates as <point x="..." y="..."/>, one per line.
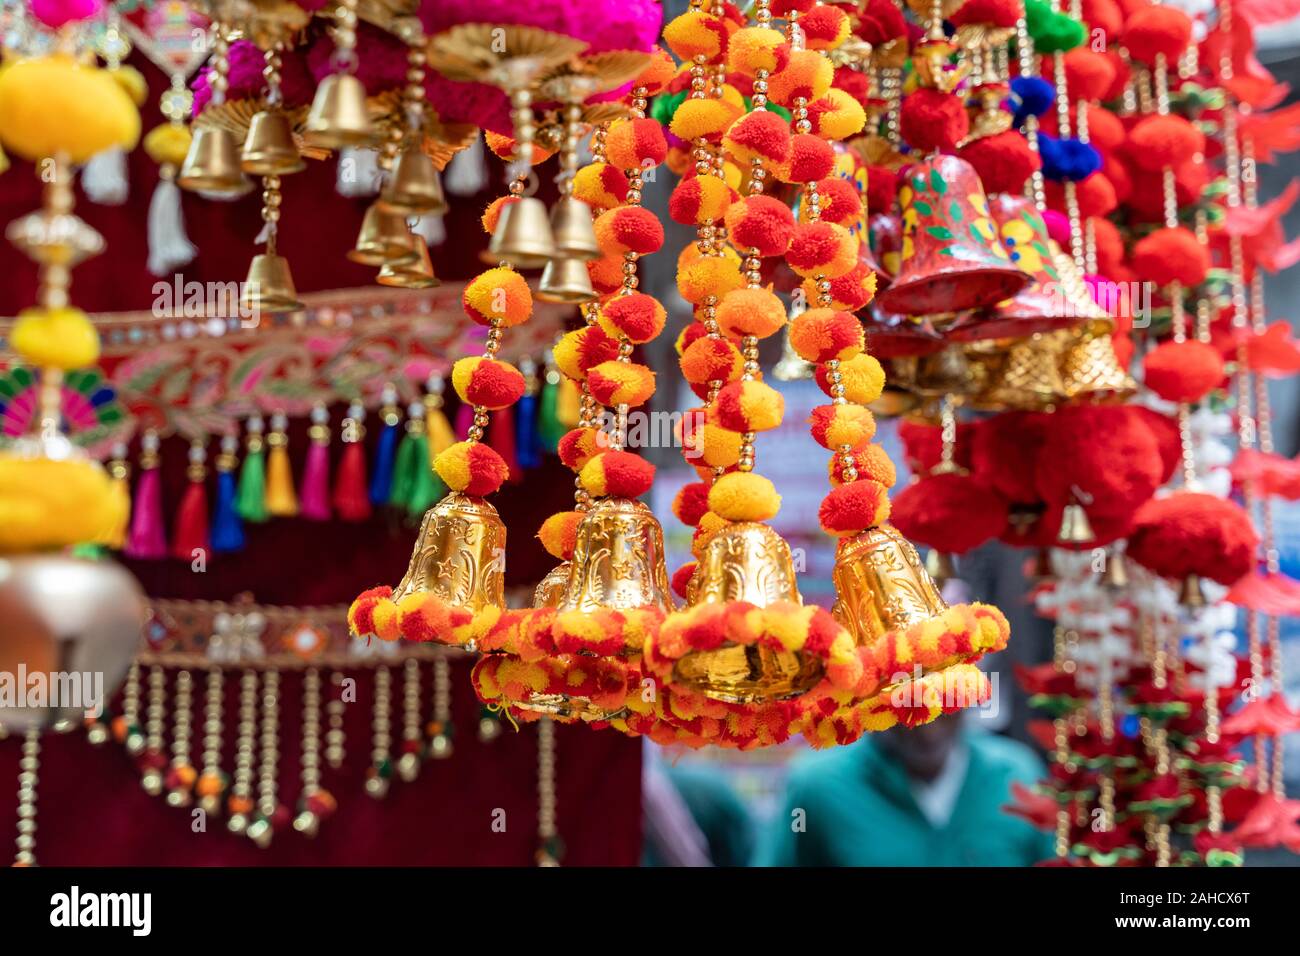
<point x="1052" y="32"/>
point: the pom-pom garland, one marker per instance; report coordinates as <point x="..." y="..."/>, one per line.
<point x="1191" y="533"/>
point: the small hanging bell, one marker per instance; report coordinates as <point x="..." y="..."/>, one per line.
<point x="269" y="149"/>
<point x="1090" y="369"/>
<point x="567" y="281"/>
<point x="458" y="555"/>
<point x="212" y="164"/>
<point x="523" y="235"/>
<point x="1027" y="379"/>
<point x="1190" y="595"/>
<point x="1075" y="528"/>
<point x="618" y="560"/>
<point x="339" y="115"/>
<point x="573" y="230"/>
<point x="882" y="585"/>
<point x="414" y="187"/>
<point x="747" y="562"/>
<point x="1114" y="576"/>
<point x="410" y="273"/>
<point x="383" y="238"/>
<point x="269" y="287"/>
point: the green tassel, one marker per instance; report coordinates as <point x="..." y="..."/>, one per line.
<point x="250" y="500"/>
<point x="549" y="426"/>
<point x="403" y="477"/>
<point x="426" y="486"/>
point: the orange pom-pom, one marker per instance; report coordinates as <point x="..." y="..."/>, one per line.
<point x="637" y="317"/>
<point x="861" y="377"/>
<point x="501" y="294"/>
<point x="635" y="144"/>
<point x="822" y="335"/>
<point x="681" y="579"/>
<point x="711" y="360"/>
<point x="837" y="115"/>
<point x="850" y="292"/>
<point x="621" y="383"/>
<point x="811" y="159"/>
<point x="579" y="445"/>
<point x="840" y="202"/>
<point x="759" y="135"/>
<point x="658" y="73"/>
<point x="492" y="214"/>
<point x="705" y="276"/>
<point x="824" y="27"/>
<point x="757" y="48"/>
<point x="489" y="383"/>
<point x="629" y="229"/>
<point x="606" y="273"/>
<point x="807" y="75"/>
<point x="579" y="351"/>
<point x="853" y="508"/>
<point x="1171" y="255"/>
<point x="842" y="426"/>
<point x="748" y="407"/>
<point x="471" y="467"/>
<point x="704" y="443"/>
<point x="1160" y="141"/>
<point x="503" y="147"/>
<point x="559" y="533"/>
<point x="762" y="224"/>
<point x="822" y="248"/>
<point x="871" y="462"/>
<point x="699" y="200"/>
<point x="756" y="312"/>
<point x="696" y="34"/>
<point x="619" y="474"/>
<point x="600" y="185"/>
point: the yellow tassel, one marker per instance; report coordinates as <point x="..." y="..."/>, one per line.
<point x="441" y="437"/>
<point x="120" y="508"/>
<point x="281" y="499"/>
<point x="567" y="403"/>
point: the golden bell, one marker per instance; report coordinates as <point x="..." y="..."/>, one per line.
<point x="1190" y="594"/>
<point x="383" y="239"/>
<point x="618" y="560"/>
<point x="212" y="164"/>
<point x="459" y="555"/>
<point x="748" y="562"/>
<point x="1075" y="527"/>
<point x="414" y="187"/>
<point x="269" y="287"/>
<point x="567" y="281"/>
<point x="339" y="116"/>
<point x="1028" y="378"/>
<point x="1090" y="369"/>
<point x="939" y="565"/>
<point x="573" y="230"/>
<point x="882" y="585"/>
<point x="1115" y="575"/>
<point x="946" y="372"/>
<point x="550" y="590"/>
<point x="791" y="367"/>
<point x="269" y="149"/>
<point x="410" y="273"/>
<point x="523" y="235"/>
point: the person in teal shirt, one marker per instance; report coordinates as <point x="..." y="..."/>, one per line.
<point x="931" y="796"/>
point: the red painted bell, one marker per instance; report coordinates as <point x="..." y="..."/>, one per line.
<point x="951" y="259"/>
<point x="1044" y="304"/>
<point x="886" y="233"/>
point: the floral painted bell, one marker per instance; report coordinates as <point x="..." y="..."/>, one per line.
<point x="1043" y="305"/>
<point x="951" y="259"/>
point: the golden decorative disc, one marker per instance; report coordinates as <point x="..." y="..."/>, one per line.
<point x="384" y="14"/>
<point x="975" y="35"/>
<point x="507" y="56"/>
<point x="891" y="56"/>
<point x="585" y="76"/>
<point x="264" y="22"/>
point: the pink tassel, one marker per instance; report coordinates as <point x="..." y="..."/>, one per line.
<point x="464" y="420"/>
<point x="314" y="493"/>
<point x="148" y="538"/>
<point x="501" y="438"/>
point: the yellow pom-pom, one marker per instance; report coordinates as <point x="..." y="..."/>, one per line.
<point x="47" y="504"/>
<point x="52" y="105"/>
<point x="695" y="33"/>
<point x="712" y="445"/>
<point x="167" y="144"/>
<point x="839" y="115"/>
<point x="500" y="294"/>
<point x="132" y="82"/>
<point x="757" y="48"/>
<point x="863" y="379"/>
<point x="61" y="337"/>
<point x="705" y="118"/>
<point x="744" y="496"/>
<point x="704" y="276"/>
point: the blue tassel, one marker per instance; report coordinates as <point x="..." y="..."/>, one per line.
<point x="381" y="476"/>
<point x="1031" y="96"/>
<point x="528" y="449"/>
<point x="227" y="529"/>
<point x="1067" y="160"/>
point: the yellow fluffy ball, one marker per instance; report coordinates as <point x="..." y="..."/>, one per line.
<point x="62" y="338"/>
<point x="863" y="379"/>
<point x="47" y="504"/>
<point x="52" y="105"/>
<point x="744" y="496"/>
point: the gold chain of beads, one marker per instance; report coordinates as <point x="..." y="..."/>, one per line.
<point x="241" y="791"/>
<point x="261" y="830"/>
<point x="29" y="766"/>
<point x="408" y="764"/>
<point x="335" y="737"/>
<point x="546" y="797"/>
<point x="307" y="822"/>
<point x="271" y="70"/>
<point x="155" y="715"/>
<point x="210" y="783"/>
<point x="131" y="736"/>
<point x="381" y="739"/>
<point x="220" y="81"/>
<point x="345" y="36"/>
<point x="413" y="93"/>
<point x="440" y="727"/>
<point x="181" y="778"/>
<point x="1029" y="67"/>
<point x="271" y="199"/>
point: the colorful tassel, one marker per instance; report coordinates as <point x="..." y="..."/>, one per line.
<point x="351" y="499"/>
<point x="148" y="539"/>
<point x="315" y="490"/>
<point x="441" y="437"/>
<point x="406" y="463"/>
<point x="190" y="536"/>
<point x="501" y="439"/>
<point x="227" y="529"/>
<point x="381" y="477"/>
<point x="281" y="499"/>
<point x="427" y="489"/>
<point x="251" y="500"/>
<point x="528" y="450"/>
<point x="568" y="404"/>
<point x="119" y="470"/>
<point x="549" y="427"/>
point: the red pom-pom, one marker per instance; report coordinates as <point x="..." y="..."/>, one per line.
<point x="578" y="445"/>
<point x="882" y="189"/>
<point x="1109" y="245"/>
<point x="1004" y="161"/>
<point x="1145" y="200"/>
<point x="1103" y="15"/>
<point x="630" y="228"/>
<point x="691" y="502"/>
<point x="1192" y="533"/>
<point x="1004" y="453"/>
<point x="1106" y="131"/>
<point x="761" y="133"/>
<point x="761" y="223"/>
<point x="997" y="13"/>
<point x="1169" y="441"/>
<point x="853" y="82"/>
<point x="1183" y="371"/>
<point x="1101" y="455"/>
<point x="1157" y="29"/>
<point x="811" y="158"/>
<point x="682" y="578"/>
<point x="951" y="513"/>
<point x="854" y="507"/>
<point x="880" y="21"/>
<point x="1088" y="75"/>
<point x="1095" y="195"/>
<point x="638" y="316"/>
<point x="841" y="203"/>
<point x="1160" y="141"/>
<point x="627" y="475"/>
<point x="932" y="120"/>
<point x="1171" y="255"/>
<point x="487" y="470"/>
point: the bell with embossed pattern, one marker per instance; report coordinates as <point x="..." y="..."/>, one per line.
<point x="459" y="555"/>
<point x="882" y="585"/>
